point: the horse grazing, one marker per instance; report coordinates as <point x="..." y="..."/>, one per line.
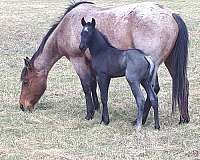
<point x="150" y="27"/>
<point x="109" y="62"/>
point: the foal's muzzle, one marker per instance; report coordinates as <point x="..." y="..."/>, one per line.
<point x="82" y="48"/>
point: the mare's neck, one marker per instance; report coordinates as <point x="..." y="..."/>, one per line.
<point x="44" y="60"/>
<point x="98" y="44"/>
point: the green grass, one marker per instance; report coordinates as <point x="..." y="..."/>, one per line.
<point x="57" y="129"/>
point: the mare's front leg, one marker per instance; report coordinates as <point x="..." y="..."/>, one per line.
<point x="103" y="82"/>
<point x="139" y="97"/>
<point x="94" y="92"/>
<point x="85" y="74"/>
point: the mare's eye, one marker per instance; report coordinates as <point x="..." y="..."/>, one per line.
<point x="25" y="82"/>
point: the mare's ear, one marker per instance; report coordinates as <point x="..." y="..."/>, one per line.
<point x="28" y="63"/>
<point x="83" y="22"/>
<point x="93" y="22"/>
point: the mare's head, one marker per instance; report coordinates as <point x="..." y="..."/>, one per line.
<point x="86" y="34"/>
<point x="33" y="85"/>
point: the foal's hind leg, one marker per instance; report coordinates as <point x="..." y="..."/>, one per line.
<point x="148" y="102"/>
<point x="154" y="102"/>
<point x="137" y="92"/>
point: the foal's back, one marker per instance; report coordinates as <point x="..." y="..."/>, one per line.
<point x="137" y="66"/>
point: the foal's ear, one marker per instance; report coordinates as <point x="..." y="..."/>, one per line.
<point x="93" y="22"/>
<point x="27" y="63"/>
<point x="83" y="22"/>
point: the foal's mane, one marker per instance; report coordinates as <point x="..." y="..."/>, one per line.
<point x="105" y="38"/>
<point x="44" y="40"/>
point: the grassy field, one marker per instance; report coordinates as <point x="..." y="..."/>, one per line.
<point x="57" y="128"/>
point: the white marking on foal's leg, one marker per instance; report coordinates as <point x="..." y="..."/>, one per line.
<point x="150" y="60"/>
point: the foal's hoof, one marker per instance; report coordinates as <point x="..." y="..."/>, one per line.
<point x="157" y="127"/>
<point x="135" y="122"/>
<point x="89" y="116"/>
<point x="184" y="120"/>
<point x="138" y="128"/>
<point x="105" y="120"/>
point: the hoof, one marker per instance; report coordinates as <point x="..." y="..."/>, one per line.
<point x="89" y="116"/>
<point x="105" y="120"/>
<point x="184" y="120"/>
<point x="105" y="123"/>
<point x="157" y="127"/>
<point x="138" y="128"/>
<point x="135" y="122"/>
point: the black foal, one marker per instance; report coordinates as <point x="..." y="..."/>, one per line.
<point x="109" y="62"/>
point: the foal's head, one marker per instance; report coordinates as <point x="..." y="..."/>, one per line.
<point x="33" y="85"/>
<point x="86" y="34"/>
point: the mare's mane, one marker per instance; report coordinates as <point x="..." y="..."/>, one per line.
<point x="44" y="40"/>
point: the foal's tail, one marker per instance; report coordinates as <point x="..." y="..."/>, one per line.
<point x="179" y="58"/>
<point x="151" y="70"/>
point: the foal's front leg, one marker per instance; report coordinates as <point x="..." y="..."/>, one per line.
<point x="103" y="82"/>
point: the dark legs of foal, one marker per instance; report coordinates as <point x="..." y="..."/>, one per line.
<point x="103" y="82"/>
<point x="148" y="102"/>
<point x="139" y="97"/>
<point x="153" y="101"/>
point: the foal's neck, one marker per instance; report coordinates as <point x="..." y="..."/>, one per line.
<point x="98" y="44"/>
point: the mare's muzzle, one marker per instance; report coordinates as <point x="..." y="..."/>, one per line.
<point x="22" y="107"/>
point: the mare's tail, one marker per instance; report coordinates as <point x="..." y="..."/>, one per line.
<point x="179" y="58"/>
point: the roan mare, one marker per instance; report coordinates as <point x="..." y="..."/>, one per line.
<point x="109" y="62"/>
<point x="150" y="27"/>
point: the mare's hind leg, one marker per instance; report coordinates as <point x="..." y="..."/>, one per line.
<point x="154" y="102"/>
<point x="148" y="102"/>
<point x="94" y="93"/>
<point x="139" y="97"/>
<point x="103" y="82"/>
<point x="84" y="72"/>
